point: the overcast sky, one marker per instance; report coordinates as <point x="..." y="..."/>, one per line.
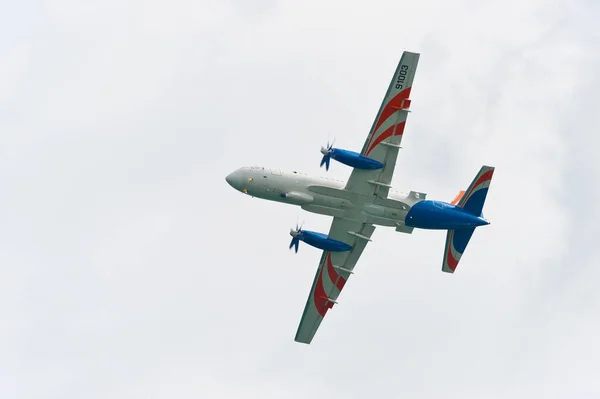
<point x="130" y="269"/>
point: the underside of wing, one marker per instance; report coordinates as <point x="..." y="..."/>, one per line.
<point x="384" y="138"/>
<point x="332" y="274"/>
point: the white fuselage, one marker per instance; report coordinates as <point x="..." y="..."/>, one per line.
<point x="323" y="196"/>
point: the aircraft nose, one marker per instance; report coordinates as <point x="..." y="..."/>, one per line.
<point x="229" y="179"/>
<point x="234" y="180"/>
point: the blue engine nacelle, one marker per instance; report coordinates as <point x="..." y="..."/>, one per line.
<point x="349" y="158"/>
<point x="317" y="240"/>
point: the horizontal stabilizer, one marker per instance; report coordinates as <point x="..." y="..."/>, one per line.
<point x="456" y="243"/>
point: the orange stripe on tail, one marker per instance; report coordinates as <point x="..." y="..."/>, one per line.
<point x="458" y="197"/>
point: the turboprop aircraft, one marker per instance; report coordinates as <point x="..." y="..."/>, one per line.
<point x="366" y="200"/>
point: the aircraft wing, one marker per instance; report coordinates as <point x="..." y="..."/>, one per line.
<point x="385" y="136"/>
<point x="332" y="273"/>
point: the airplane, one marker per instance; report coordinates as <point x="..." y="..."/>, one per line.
<point x="364" y="201"/>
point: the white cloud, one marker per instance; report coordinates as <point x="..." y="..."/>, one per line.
<point x="130" y="268"/>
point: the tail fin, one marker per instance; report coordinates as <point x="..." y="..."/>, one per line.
<point x="471" y="200"/>
<point x="474" y="197"/>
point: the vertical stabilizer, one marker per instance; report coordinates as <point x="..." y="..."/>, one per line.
<point x="474" y="197"/>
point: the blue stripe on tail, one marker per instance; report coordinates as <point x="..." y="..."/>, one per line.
<point x="474" y="204"/>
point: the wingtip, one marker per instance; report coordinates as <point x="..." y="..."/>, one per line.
<point x="301" y="341"/>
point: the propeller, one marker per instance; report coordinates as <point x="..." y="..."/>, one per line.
<point x="296" y="235"/>
<point x="326" y="151"/>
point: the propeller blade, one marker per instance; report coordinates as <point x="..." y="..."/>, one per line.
<point x="324" y="159"/>
<point x="327" y="164"/>
<point x="294" y="243"/>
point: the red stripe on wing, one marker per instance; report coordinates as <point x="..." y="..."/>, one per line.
<point x="338" y="280"/>
<point x="391" y="107"/>
<point x="319" y="295"/>
<point x="387" y="133"/>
